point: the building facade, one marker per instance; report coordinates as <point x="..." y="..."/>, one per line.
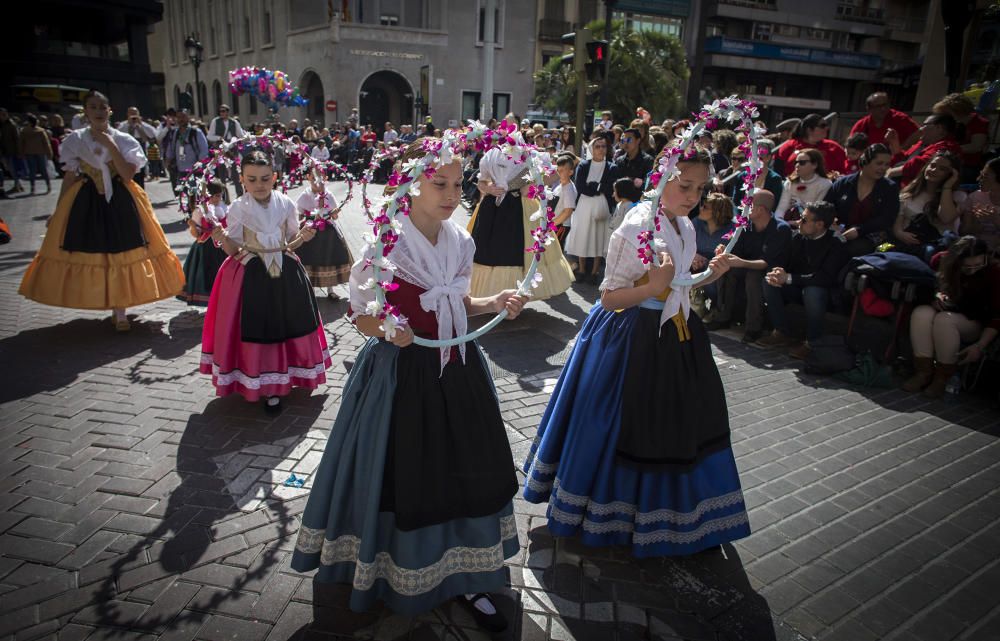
<point x="393" y="60"/>
<point x="795" y="58"/>
<point x="63" y="49"/>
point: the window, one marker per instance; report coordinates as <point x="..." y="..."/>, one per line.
<point x="267" y="25"/>
<point x="177" y="96"/>
<point x="307" y="13"/>
<point x="217" y="94"/>
<point x="235" y="106"/>
<point x="714" y="29"/>
<point x="549" y="55"/>
<point x="387" y="20"/>
<point x="762" y="31"/>
<point x="247" y="27"/>
<point x="646" y="22"/>
<point x="202" y="105"/>
<point x="171" y="35"/>
<point x="497" y="23"/>
<point x="253" y="105"/>
<point x="555" y="10"/>
<point x="230" y="40"/>
<point x="472" y="102"/>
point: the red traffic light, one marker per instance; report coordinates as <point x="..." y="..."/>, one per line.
<point x="597" y="51"/>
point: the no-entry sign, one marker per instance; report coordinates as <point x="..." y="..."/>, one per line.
<point x="331" y="105"/>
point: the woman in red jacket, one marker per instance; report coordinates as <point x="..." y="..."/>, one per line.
<point x="811" y="133"/>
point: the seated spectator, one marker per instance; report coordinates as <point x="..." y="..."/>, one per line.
<point x="965" y="310"/>
<point x="815" y="258"/>
<point x="811" y="134"/>
<point x="320" y="152"/>
<point x="929" y="207"/>
<point x="866" y="202"/>
<point x="724" y="141"/>
<point x="768" y="179"/>
<point x="936" y="134"/>
<point x="713" y="224"/>
<point x="981" y="210"/>
<point x="881" y="118"/>
<point x="856" y="145"/>
<point x="761" y="247"/>
<point x="971" y="132"/>
<point x="807" y="183"/>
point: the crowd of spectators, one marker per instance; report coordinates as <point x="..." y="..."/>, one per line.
<point x="921" y="190"/>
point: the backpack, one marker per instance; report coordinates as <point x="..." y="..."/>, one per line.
<point x="829" y="355"/>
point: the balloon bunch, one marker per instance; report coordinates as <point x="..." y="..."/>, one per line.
<point x="273" y="88"/>
<point x="191" y="191"/>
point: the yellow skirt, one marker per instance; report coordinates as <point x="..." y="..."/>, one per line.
<point x="557" y="275"/>
<point x="81" y="280"/>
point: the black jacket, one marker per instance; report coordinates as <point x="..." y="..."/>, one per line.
<point x="605" y="187"/>
<point x="638" y="167"/>
<point x="843" y="195"/>
<point x="816" y="263"/>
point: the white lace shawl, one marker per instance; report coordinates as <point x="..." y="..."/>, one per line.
<point x="81" y="146"/>
<point x="444" y="270"/>
<point x="624" y="266"/>
<point x="273" y="225"/>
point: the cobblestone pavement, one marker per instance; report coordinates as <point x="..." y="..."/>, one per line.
<point x="135" y="505"/>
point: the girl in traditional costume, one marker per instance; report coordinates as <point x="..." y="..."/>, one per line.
<point x="204" y="258"/>
<point x="634" y="446"/>
<point x="327" y="258"/>
<point x="263" y="334"/>
<point x="411" y="504"/>
<point x="104" y="248"/>
<point x="501" y="228"/>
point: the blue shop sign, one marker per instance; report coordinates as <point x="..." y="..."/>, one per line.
<point x="722" y="44"/>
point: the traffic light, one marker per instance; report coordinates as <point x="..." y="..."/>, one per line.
<point x="577" y="40"/>
<point x="597" y="60"/>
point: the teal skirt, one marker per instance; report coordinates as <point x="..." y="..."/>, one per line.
<point x="350" y="537"/>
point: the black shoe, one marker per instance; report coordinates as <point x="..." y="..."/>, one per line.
<point x="490" y="622"/>
<point x="717" y="324"/>
<point x="751" y="336"/>
<point x="272" y="409"/>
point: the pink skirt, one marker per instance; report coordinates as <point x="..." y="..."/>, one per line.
<point x="255" y="370"/>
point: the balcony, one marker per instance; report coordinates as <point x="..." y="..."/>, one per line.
<point x="852" y="12"/>
<point x="752" y="4"/>
<point x="553" y="29"/>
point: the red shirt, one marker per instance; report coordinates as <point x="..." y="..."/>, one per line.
<point x="976" y="125"/>
<point x="916" y="158"/>
<point x="834" y="156"/>
<point x="902" y="123"/>
<point x="369" y="135"/>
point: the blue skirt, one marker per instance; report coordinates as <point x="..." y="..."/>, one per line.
<point x="573" y="465"/>
<point x="351" y="540"/>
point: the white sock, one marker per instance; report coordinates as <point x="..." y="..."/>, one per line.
<point x="272" y="401"/>
<point x="484" y="605"/>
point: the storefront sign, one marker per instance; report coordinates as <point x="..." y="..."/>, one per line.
<point x="722" y="44"/>
<point x="387" y="54"/>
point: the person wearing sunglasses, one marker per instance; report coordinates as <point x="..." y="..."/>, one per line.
<point x="881" y="118"/>
<point x="937" y="134"/>
<point x="811" y="133"/>
<point x="633" y="162"/>
<point x="965" y="311"/>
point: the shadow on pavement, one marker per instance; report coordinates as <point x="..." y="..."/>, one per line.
<point x="223" y="487"/>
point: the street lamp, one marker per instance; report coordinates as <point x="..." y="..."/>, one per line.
<point x="194" y="49"/>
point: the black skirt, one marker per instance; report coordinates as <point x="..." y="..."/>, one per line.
<point x="499" y="231"/>
<point x="448" y="456"/>
<point x="96" y="226"/>
<point x="327" y="248"/>
<point x="277" y="309"/>
<point x="673" y="404"/>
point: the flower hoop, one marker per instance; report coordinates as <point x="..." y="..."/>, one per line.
<point x="729" y="109"/>
<point x="191" y="186"/>
<point x="405" y="181"/>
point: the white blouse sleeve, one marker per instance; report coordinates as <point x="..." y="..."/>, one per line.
<point x="132" y="151"/>
<point x="623" y="266"/>
<point x="69" y="152"/>
<point x="304" y="201"/>
<point x="234" y="221"/>
<point x="361" y="295"/>
<point x="290" y="221"/>
<point x="569" y="194"/>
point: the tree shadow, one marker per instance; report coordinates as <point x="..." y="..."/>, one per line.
<point x="232" y="462"/>
<point x="68" y="351"/>
<point x="14" y="262"/>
